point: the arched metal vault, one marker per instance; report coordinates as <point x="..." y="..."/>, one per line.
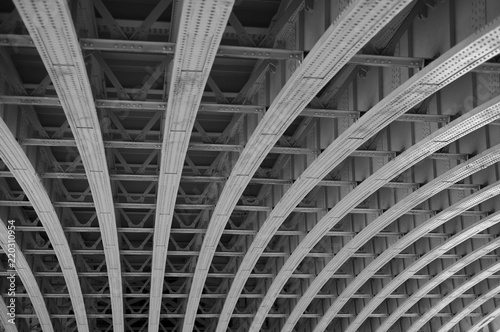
<point x="250" y="165"/>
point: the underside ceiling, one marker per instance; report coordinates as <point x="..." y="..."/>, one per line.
<point x="250" y="165"/>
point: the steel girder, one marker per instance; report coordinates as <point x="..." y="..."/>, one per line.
<point x="199" y="32"/>
<point x="422" y="85"/>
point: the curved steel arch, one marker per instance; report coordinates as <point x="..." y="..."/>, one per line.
<point x="23" y="171"/>
<point x="442" y="276"/>
<point x="465" y="56"/>
<point x="440" y="219"/>
<point x="59" y="49"/>
<point x="200" y="30"/>
<point x="3" y="319"/>
<point x="458" y="173"/>
<point x="486" y="320"/>
<point x="483" y="275"/>
<point x="470" y="308"/>
<point x="356" y="25"/>
<point x="28" y="279"/>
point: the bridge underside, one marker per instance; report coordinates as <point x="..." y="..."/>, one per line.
<point x="122" y="121"/>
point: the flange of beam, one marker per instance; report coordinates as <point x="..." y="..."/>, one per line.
<point x="429" y="80"/>
<point x="198" y="35"/>
<point x="153" y="47"/>
<point x="27" y="277"/>
<point x="60" y="51"/>
<point x="215" y="108"/>
<point x="16" y="160"/>
<point x="226" y="275"/>
<point x="459" y="172"/>
<point x="454" y="294"/>
<point x="181" y="295"/>
<point x="214" y="316"/>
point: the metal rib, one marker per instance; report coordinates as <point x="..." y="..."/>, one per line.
<point x="59" y="49"/>
<point x="413" y="236"/>
<point x="485" y="321"/>
<point x="453" y="64"/>
<point x="469" y="309"/>
<point x="28" y="279"/>
<point x="16" y="160"/>
<point x="353" y="29"/>
<point x="464" y="204"/>
<point x="200" y="29"/>
<point x="458" y="173"/>
<point x="457" y="291"/>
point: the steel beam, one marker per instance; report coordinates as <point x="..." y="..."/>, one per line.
<point x="462" y="314"/>
<point x="429" y="80"/>
<point x="198" y="34"/>
<point x="16" y="160"/>
<point x="215" y="108"/>
<point x="227" y="275"/>
<point x="485" y="321"/>
<point x="244" y="232"/>
<point x="321" y="64"/>
<point x="59" y="49"/>
<point x="486" y="158"/>
<point x="454" y="294"/>
<point x="245" y="296"/>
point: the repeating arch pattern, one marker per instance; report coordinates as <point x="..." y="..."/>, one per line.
<point x="468" y="168"/>
<point x="439" y="73"/>
<point x="470" y="308"/>
<point x="321" y="64"/>
<point x="486" y="320"/>
<point x="413" y="236"/>
<point x="481" y="276"/>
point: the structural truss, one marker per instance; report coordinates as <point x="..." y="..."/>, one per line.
<point x="249" y="165"/>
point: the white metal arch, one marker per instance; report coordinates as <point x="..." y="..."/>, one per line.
<point x="470" y="308"/>
<point x="443" y="217"/>
<point x="452" y="269"/>
<point x="463" y="57"/>
<point x="458" y="173"/>
<point x="51" y="27"/>
<point x="197" y="37"/>
<point x="355" y="26"/>
<point x="481" y="276"/>
<point x="486" y="320"/>
<point x="28" y="279"/>
<point x="23" y="171"/>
